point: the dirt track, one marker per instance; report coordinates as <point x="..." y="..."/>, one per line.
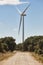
<point x="20" y="58"/>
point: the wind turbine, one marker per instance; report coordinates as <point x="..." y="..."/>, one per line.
<point x="22" y="20"/>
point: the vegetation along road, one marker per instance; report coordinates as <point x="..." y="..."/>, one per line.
<point x="20" y="58"/>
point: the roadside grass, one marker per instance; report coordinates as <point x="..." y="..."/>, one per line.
<point x="38" y="57"/>
<point x="6" y="55"/>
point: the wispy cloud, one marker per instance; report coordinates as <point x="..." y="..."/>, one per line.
<point x="11" y="2"/>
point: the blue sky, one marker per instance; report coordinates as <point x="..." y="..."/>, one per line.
<point x="9" y="20"/>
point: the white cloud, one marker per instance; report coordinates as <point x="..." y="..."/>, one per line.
<point x="11" y="2"/>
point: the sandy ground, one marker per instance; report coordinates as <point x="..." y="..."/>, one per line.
<point x="20" y="58"/>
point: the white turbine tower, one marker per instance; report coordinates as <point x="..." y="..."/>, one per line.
<point x="22" y="20"/>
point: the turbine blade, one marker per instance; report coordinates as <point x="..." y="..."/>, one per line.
<point x="18" y="10"/>
<point x="20" y="24"/>
<point x="25" y="9"/>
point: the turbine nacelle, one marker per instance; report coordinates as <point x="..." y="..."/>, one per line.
<point x="23" y="14"/>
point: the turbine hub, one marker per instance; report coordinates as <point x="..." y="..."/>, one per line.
<point x="23" y="14"/>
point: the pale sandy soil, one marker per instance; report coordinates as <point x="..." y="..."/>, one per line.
<point x="20" y="58"/>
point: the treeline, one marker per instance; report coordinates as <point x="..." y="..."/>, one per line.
<point x="32" y="44"/>
<point x="7" y="44"/>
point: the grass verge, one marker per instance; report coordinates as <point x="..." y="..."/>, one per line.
<point x="38" y="57"/>
<point x="6" y="55"/>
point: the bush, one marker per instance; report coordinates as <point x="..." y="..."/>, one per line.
<point x="34" y="44"/>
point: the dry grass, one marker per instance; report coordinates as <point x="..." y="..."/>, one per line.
<point x="6" y="55"/>
<point x="38" y="57"/>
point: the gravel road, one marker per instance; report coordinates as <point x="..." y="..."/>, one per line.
<point x="21" y="58"/>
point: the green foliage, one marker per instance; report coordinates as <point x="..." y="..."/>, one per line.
<point x="7" y="44"/>
<point x="19" y="47"/>
<point x="33" y="44"/>
<point x="1" y="47"/>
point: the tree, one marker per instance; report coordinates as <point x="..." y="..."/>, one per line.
<point x="7" y="44"/>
